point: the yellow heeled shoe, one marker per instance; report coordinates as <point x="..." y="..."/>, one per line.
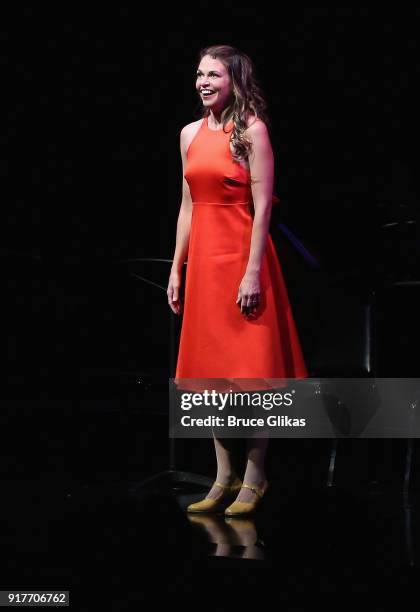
<point x="239" y="508"/>
<point x="209" y="504"/>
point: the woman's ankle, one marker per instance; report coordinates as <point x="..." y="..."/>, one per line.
<point x="259" y="479"/>
<point x="226" y="478"/>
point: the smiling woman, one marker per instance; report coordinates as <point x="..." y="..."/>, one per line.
<point x="237" y="321"/>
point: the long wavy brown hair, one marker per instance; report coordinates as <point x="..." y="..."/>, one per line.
<point x="248" y="98"/>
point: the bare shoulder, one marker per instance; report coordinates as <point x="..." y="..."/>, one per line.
<point x="256" y="127"/>
<point x="190" y="128"/>
<point x="188" y="133"/>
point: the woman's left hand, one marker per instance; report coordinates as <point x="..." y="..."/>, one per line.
<point x="249" y="293"/>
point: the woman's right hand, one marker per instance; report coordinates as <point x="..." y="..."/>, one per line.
<point x="173" y="290"/>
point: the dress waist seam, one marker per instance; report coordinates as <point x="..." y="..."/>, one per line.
<point x="223" y="203"/>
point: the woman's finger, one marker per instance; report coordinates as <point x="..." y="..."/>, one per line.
<point x="252" y="303"/>
<point x="173" y="301"/>
<point x="244" y="307"/>
<point x="176" y="307"/>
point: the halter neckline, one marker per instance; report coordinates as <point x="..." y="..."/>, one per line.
<point x="229" y="126"/>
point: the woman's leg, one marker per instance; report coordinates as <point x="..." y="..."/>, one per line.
<point x="225" y="457"/>
<point x="255" y="467"/>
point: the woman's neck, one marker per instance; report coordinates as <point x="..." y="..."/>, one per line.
<point x="217" y="118"/>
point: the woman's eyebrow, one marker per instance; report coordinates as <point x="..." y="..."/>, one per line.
<point x="210" y="71"/>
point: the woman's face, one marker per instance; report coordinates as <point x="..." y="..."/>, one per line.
<point x="213" y="83"/>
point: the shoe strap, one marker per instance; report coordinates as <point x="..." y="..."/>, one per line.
<point x="254" y="489"/>
<point x="218" y="484"/>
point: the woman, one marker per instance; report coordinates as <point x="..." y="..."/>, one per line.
<point x="237" y="321"/>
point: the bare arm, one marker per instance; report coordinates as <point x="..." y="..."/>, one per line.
<point x="182" y="236"/>
<point x="261" y="163"/>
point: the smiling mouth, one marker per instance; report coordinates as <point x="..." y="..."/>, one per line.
<point x="205" y="93"/>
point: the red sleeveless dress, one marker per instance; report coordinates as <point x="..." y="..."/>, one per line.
<point x="217" y="340"/>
